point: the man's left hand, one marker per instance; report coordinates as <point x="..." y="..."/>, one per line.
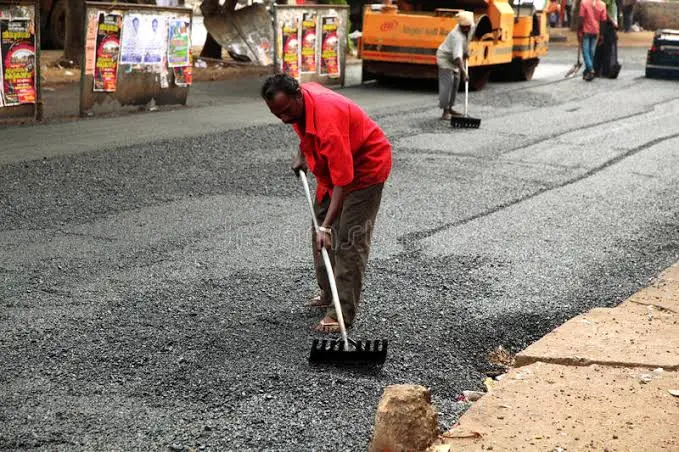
<point x="323" y="240"/>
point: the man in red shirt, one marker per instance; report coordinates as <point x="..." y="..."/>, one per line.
<point x="350" y="157"/>
<point x="592" y="12"/>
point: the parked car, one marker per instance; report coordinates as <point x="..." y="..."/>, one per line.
<point x="663" y="56"/>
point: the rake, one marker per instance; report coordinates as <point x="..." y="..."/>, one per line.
<point x="578" y="64"/>
<point x="342" y="351"/>
<point x="465" y="122"/>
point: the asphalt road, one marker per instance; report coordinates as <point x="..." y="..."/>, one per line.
<point x="153" y="275"/>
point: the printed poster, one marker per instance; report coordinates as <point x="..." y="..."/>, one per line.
<point x="330" y="48"/>
<point x="183" y="76"/>
<point x="291" y="50"/>
<point x="179" y="43"/>
<point x="108" y="49"/>
<point x="155" y="39"/>
<point x="309" y="43"/>
<point x="91" y="42"/>
<point x="17" y="51"/>
<point x="144" y="39"/>
<point x="132" y="44"/>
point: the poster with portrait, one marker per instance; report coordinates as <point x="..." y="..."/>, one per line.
<point x="291" y="49"/>
<point x="330" y="47"/>
<point x="17" y="51"/>
<point x="154" y="39"/>
<point x="107" y="51"/>
<point x="309" y="26"/>
<point x="179" y="42"/>
<point x="132" y="42"/>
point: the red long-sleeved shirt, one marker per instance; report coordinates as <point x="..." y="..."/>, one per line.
<point x="341" y="144"/>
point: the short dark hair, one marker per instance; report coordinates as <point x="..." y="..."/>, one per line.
<point x="279" y="83"/>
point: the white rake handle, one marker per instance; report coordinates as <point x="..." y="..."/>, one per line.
<point x="328" y="266"/>
<point x="466" y="86"/>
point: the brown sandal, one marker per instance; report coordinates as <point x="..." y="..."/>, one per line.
<point x="316" y="302"/>
<point x="327" y="326"/>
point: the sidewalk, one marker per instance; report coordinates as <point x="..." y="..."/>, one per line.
<point x="605" y="380"/>
<point x="563" y="37"/>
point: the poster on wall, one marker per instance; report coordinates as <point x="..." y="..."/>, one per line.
<point x="291" y="50"/>
<point x="330" y="47"/>
<point x="17" y="50"/>
<point x="309" y="43"/>
<point x="183" y="76"/>
<point x="132" y="44"/>
<point x="155" y="39"/>
<point x="2" y="102"/>
<point x="179" y="42"/>
<point x="107" y="51"/>
<point x="91" y="41"/>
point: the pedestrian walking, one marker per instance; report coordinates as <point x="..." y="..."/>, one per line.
<point x="592" y="12"/>
<point x="627" y="14"/>
<point x="568" y="13"/>
<point x="553" y="11"/>
<point x="606" y="56"/>
<point x="450" y="58"/>
<point x="350" y="156"/>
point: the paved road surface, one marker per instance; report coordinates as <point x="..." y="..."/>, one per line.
<point x="153" y="266"/>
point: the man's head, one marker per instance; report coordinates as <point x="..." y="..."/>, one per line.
<point x="465" y="20"/>
<point x="154" y="24"/>
<point x="283" y="96"/>
<point x="135" y="23"/>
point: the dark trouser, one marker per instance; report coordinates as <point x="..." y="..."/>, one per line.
<point x="352" y="231"/>
<point x="606" y="55"/>
<point x="627" y="13"/>
<point x="449" y="83"/>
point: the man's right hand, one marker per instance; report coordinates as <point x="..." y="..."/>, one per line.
<point x="299" y="164"/>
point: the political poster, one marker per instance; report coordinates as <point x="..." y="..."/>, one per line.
<point x="107" y="51"/>
<point x="179" y="42"/>
<point x="309" y="26"/>
<point x="154" y="39"/>
<point x="330" y="47"/>
<point x="132" y="42"/>
<point x="291" y="50"/>
<point x="17" y="51"/>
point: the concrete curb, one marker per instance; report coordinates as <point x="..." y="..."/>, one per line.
<point x="600" y="381"/>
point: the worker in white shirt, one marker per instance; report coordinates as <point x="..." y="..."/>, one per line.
<point x="450" y="57"/>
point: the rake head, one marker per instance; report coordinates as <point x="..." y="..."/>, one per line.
<point x="465" y="122"/>
<point x="360" y="353"/>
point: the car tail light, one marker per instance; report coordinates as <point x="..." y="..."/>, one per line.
<point x="654" y="49"/>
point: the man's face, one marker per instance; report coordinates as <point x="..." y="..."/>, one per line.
<point x="135" y="23"/>
<point x="154" y="25"/>
<point x="465" y="29"/>
<point x="289" y="109"/>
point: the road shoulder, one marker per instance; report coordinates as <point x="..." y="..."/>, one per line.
<point x="602" y="381"/>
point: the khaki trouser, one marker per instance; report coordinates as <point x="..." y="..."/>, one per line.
<point x="352" y="231"/>
<point x="449" y="83"/>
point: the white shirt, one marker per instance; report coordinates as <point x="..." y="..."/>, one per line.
<point x="454" y="46"/>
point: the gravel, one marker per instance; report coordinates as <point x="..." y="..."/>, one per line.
<point x="130" y="318"/>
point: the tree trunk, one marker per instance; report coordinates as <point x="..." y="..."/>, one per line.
<point x="575" y="16"/>
<point x="73" y="46"/>
<point x="211" y="48"/>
